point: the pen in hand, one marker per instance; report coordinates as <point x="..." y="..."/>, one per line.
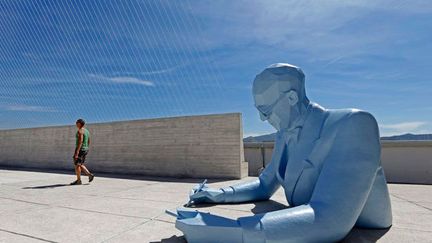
<point x="200" y="187"/>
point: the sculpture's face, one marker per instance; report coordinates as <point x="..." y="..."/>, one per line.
<point x="272" y="106"/>
<point x="275" y="96"/>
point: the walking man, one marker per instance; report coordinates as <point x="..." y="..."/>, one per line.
<point x="81" y="150"/>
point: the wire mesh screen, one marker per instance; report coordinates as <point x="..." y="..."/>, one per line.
<point x="104" y="61"/>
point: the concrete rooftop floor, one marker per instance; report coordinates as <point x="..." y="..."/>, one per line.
<point x="39" y="207"/>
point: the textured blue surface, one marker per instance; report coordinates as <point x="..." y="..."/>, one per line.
<point x="327" y="161"/>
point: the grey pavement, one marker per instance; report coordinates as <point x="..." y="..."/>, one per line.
<point x="42" y="207"/>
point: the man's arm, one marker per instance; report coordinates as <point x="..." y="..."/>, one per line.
<point x="80" y="141"/>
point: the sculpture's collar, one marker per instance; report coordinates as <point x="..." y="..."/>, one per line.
<point x="311" y="126"/>
<point x="301" y="121"/>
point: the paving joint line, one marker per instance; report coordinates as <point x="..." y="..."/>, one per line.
<point x="28" y="236"/>
<point x="135" y="199"/>
<point x="130" y="188"/>
<point x="24" y="201"/>
<point x="404" y="228"/>
<point x="415" y="203"/>
<point x="76" y="209"/>
<point x="99" y="212"/>
<point x="127" y="230"/>
<point x="154" y="218"/>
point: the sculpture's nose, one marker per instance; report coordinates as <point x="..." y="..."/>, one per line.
<point x="264" y="111"/>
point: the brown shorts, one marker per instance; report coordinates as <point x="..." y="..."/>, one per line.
<point x="81" y="157"/>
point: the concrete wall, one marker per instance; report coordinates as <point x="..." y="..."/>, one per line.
<point x="403" y="161"/>
<point x="207" y="146"/>
<point x="407" y="161"/>
<point x="258" y="155"/>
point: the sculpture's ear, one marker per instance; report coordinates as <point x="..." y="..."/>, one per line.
<point x="292" y="97"/>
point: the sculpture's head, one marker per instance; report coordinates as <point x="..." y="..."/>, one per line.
<point x="280" y="96"/>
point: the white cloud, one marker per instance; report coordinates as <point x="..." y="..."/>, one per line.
<point x="404" y="125"/>
<point x="23" y="107"/>
<point x="152" y="72"/>
<point x="122" y="80"/>
<point x="402" y="128"/>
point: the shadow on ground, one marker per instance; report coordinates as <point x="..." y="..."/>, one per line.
<point x="46" y="186"/>
<point x="172" y="239"/>
<point x="364" y="235"/>
<point x="52" y="186"/>
<point x="259" y="207"/>
<point x="117" y="175"/>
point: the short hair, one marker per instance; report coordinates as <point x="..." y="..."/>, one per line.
<point x="286" y="75"/>
<point x="81" y="121"/>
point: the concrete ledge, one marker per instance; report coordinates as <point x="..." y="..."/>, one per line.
<point x="403" y="161"/>
<point x="208" y="146"/>
<point x="405" y="143"/>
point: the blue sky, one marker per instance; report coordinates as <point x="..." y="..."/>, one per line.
<point x="122" y="60"/>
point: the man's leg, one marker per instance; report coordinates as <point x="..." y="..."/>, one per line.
<point x="83" y="167"/>
<point x="86" y="171"/>
<point x="78" y="171"/>
<point x="78" y="174"/>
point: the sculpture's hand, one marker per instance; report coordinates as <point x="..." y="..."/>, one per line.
<point x="205" y="227"/>
<point x="207" y="195"/>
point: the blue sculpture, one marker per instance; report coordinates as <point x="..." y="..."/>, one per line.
<point x="327" y="161"/>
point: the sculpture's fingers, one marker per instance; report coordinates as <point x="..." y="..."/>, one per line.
<point x="185" y="214"/>
<point x="198" y="197"/>
<point x="200" y="188"/>
<point x="195" y="187"/>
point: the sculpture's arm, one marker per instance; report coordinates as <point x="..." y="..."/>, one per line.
<point x="339" y="195"/>
<point x="261" y="188"/>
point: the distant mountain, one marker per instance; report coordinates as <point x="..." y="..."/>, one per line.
<point x="409" y="136"/>
<point x="416" y="137"/>
<point x="263" y="138"/>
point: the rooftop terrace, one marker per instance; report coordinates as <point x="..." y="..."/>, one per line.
<point x="41" y="207"/>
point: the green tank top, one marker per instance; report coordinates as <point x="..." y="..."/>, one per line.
<point x="85" y="145"/>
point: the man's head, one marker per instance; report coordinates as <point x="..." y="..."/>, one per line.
<point x="279" y="94"/>
<point x="80" y="123"/>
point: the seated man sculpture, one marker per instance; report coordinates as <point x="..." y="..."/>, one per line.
<point x="327" y="161"/>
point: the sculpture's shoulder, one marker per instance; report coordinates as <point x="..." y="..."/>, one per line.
<point x="352" y="122"/>
<point x="350" y="117"/>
